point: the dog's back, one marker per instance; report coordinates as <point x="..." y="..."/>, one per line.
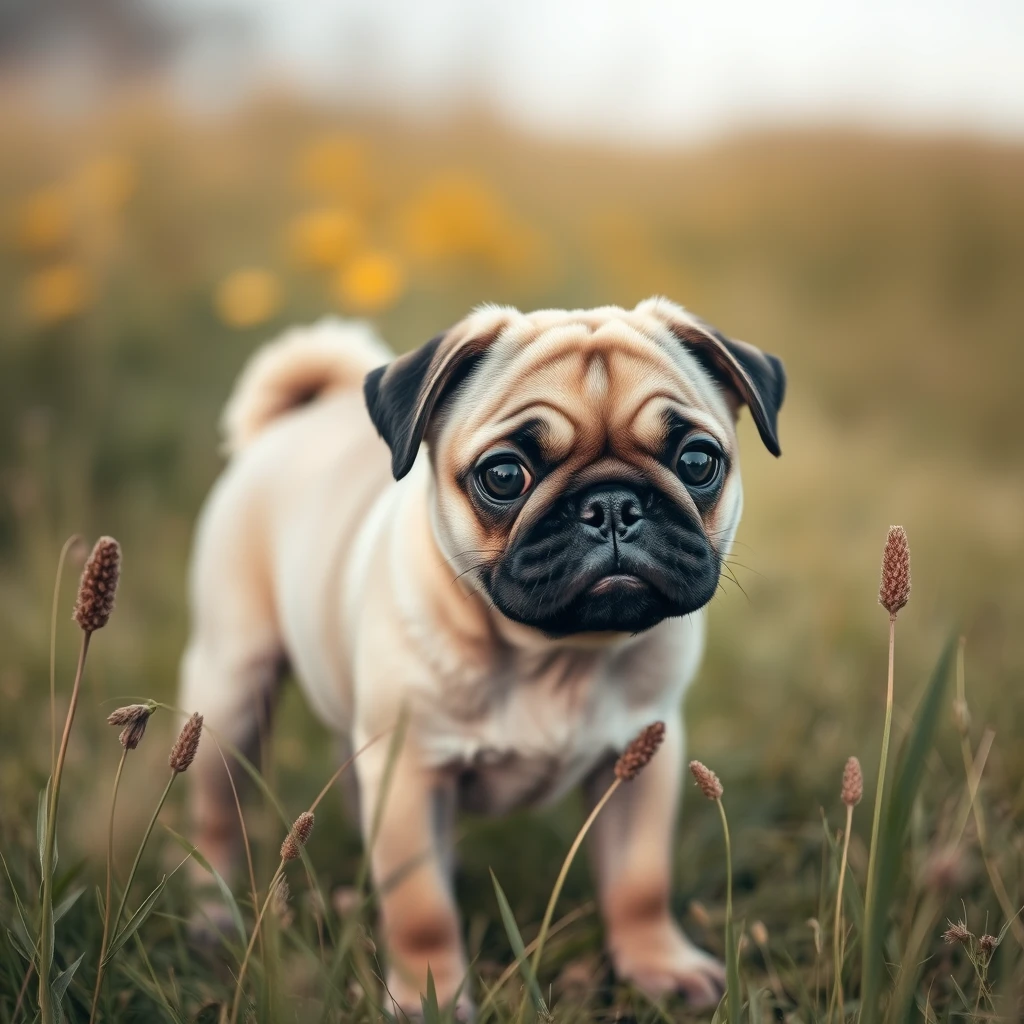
<point x="301" y="446"/>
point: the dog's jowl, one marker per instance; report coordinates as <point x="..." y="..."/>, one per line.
<point x="507" y="538"/>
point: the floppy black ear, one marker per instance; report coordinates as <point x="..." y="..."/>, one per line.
<point x="758" y="379"/>
<point x="402" y="395"/>
<point x="392" y="393"/>
<point x="767" y="382"/>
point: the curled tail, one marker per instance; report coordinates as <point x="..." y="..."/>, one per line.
<point x="301" y="365"/>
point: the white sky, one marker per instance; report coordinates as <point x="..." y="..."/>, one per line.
<point x="652" y="70"/>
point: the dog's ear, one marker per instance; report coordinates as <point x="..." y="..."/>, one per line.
<point x="403" y="394"/>
<point x="757" y="378"/>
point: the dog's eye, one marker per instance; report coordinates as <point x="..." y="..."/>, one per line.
<point x="505" y="479"/>
<point x="698" y="465"/>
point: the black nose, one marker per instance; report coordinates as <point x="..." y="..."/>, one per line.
<point x="609" y="510"/>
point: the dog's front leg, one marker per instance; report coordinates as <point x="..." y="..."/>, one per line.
<point x="406" y="827"/>
<point x="632" y="846"/>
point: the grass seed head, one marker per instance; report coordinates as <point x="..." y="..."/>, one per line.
<point x="298" y="836"/>
<point x="133" y="718"/>
<point x="894" y="590"/>
<point x="957" y="933"/>
<point x="759" y="933"/>
<point x="185" y="746"/>
<point x="853" y="783"/>
<point x="638" y="754"/>
<point x="707" y="780"/>
<point x="95" y="600"/>
<point x="987" y="944"/>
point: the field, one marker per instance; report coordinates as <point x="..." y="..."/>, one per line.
<point x="144" y="254"/>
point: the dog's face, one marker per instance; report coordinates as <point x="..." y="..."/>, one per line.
<point x="585" y="462"/>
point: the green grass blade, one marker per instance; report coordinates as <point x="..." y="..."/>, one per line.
<point x="59" y="985"/>
<point x="895" y="822"/>
<point x="135" y="922"/>
<point x="41" y="811"/>
<point x="225" y="889"/>
<point x="67" y="903"/>
<point x="428" y="1002"/>
<point x="518" y="947"/>
<point x="21" y="944"/>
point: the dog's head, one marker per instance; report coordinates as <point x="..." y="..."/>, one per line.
<point x="585" y="462"/>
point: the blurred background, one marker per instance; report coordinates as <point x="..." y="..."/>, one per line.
<point x="840" y="185"/>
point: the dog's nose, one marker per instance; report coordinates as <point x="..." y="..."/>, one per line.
<point x="611" y="508"/>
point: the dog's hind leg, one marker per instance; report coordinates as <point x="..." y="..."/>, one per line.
<point x="231" y="674"/>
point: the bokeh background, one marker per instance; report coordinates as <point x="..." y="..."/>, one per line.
<point x="180" y="181"/>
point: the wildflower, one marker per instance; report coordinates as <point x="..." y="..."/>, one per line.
<point x="56" y="293"/>
<point x="248" y="297"/>
<point x="894" y="591"/>
<point x="184" y="751"/>
<point x="298" y="836"/>
<point x="638" y="754"/>
<point x="853" y="783"/>
<point x="134" y="718"/>
<point x="707" y="780"/>
<point x="95" y="600"/>
<point x="371" y="282"/>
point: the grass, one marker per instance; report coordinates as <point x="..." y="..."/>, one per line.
<point x="885" y="272"/>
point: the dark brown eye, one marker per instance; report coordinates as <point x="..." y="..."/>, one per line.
<point x="505" y="480"/>
<point x="698" y="466"/>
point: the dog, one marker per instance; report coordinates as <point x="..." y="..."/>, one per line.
<point x="512" y="554"/>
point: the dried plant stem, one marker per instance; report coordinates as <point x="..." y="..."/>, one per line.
<point x="731" y="964"/>
<point x="545" y="924"/>
<point x="46" y="918"/>
<point x="142" y="847"/>
<point x="252" y="942"/>
<point x="870" y="909"/>
<point x="73" y="539"/>
<point x="106" y="899"/>
<point x="838" y="938"/>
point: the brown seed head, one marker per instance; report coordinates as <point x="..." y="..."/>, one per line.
<point x="707" y="780"/>
<point x="96" y="590"/>
<point x="957" y="932"/>
<point x="638" y="754"/>
<point x="759" y="933"/>
<point x="987" y="944"/>
<point x="894" y="591"/>
<point x="185" y="746"/>
<point x="853" y="783"/>
<point x="298" y="836"/>
<point x="134" y="718"/>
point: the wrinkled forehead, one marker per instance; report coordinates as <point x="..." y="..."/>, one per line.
<point x="587" y="379"/>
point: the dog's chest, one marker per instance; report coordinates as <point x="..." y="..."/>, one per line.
<point x="540" y="738"/>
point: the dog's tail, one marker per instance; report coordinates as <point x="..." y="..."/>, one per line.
<point x="296" y="368"/>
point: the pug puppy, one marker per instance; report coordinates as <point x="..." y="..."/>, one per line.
<point x="513" y="551"/>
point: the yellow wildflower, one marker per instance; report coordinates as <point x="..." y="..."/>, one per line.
<point x="371" y="282"/>
<point x="248" y="297"/>
<point x="56" y="293"/>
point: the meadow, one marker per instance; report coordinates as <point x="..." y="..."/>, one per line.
<point x="144" y="253"/>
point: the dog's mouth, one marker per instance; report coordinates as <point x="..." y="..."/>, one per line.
<point x="617" y="583"/>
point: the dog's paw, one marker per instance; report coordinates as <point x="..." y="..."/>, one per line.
<point x="663" y="961"/>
